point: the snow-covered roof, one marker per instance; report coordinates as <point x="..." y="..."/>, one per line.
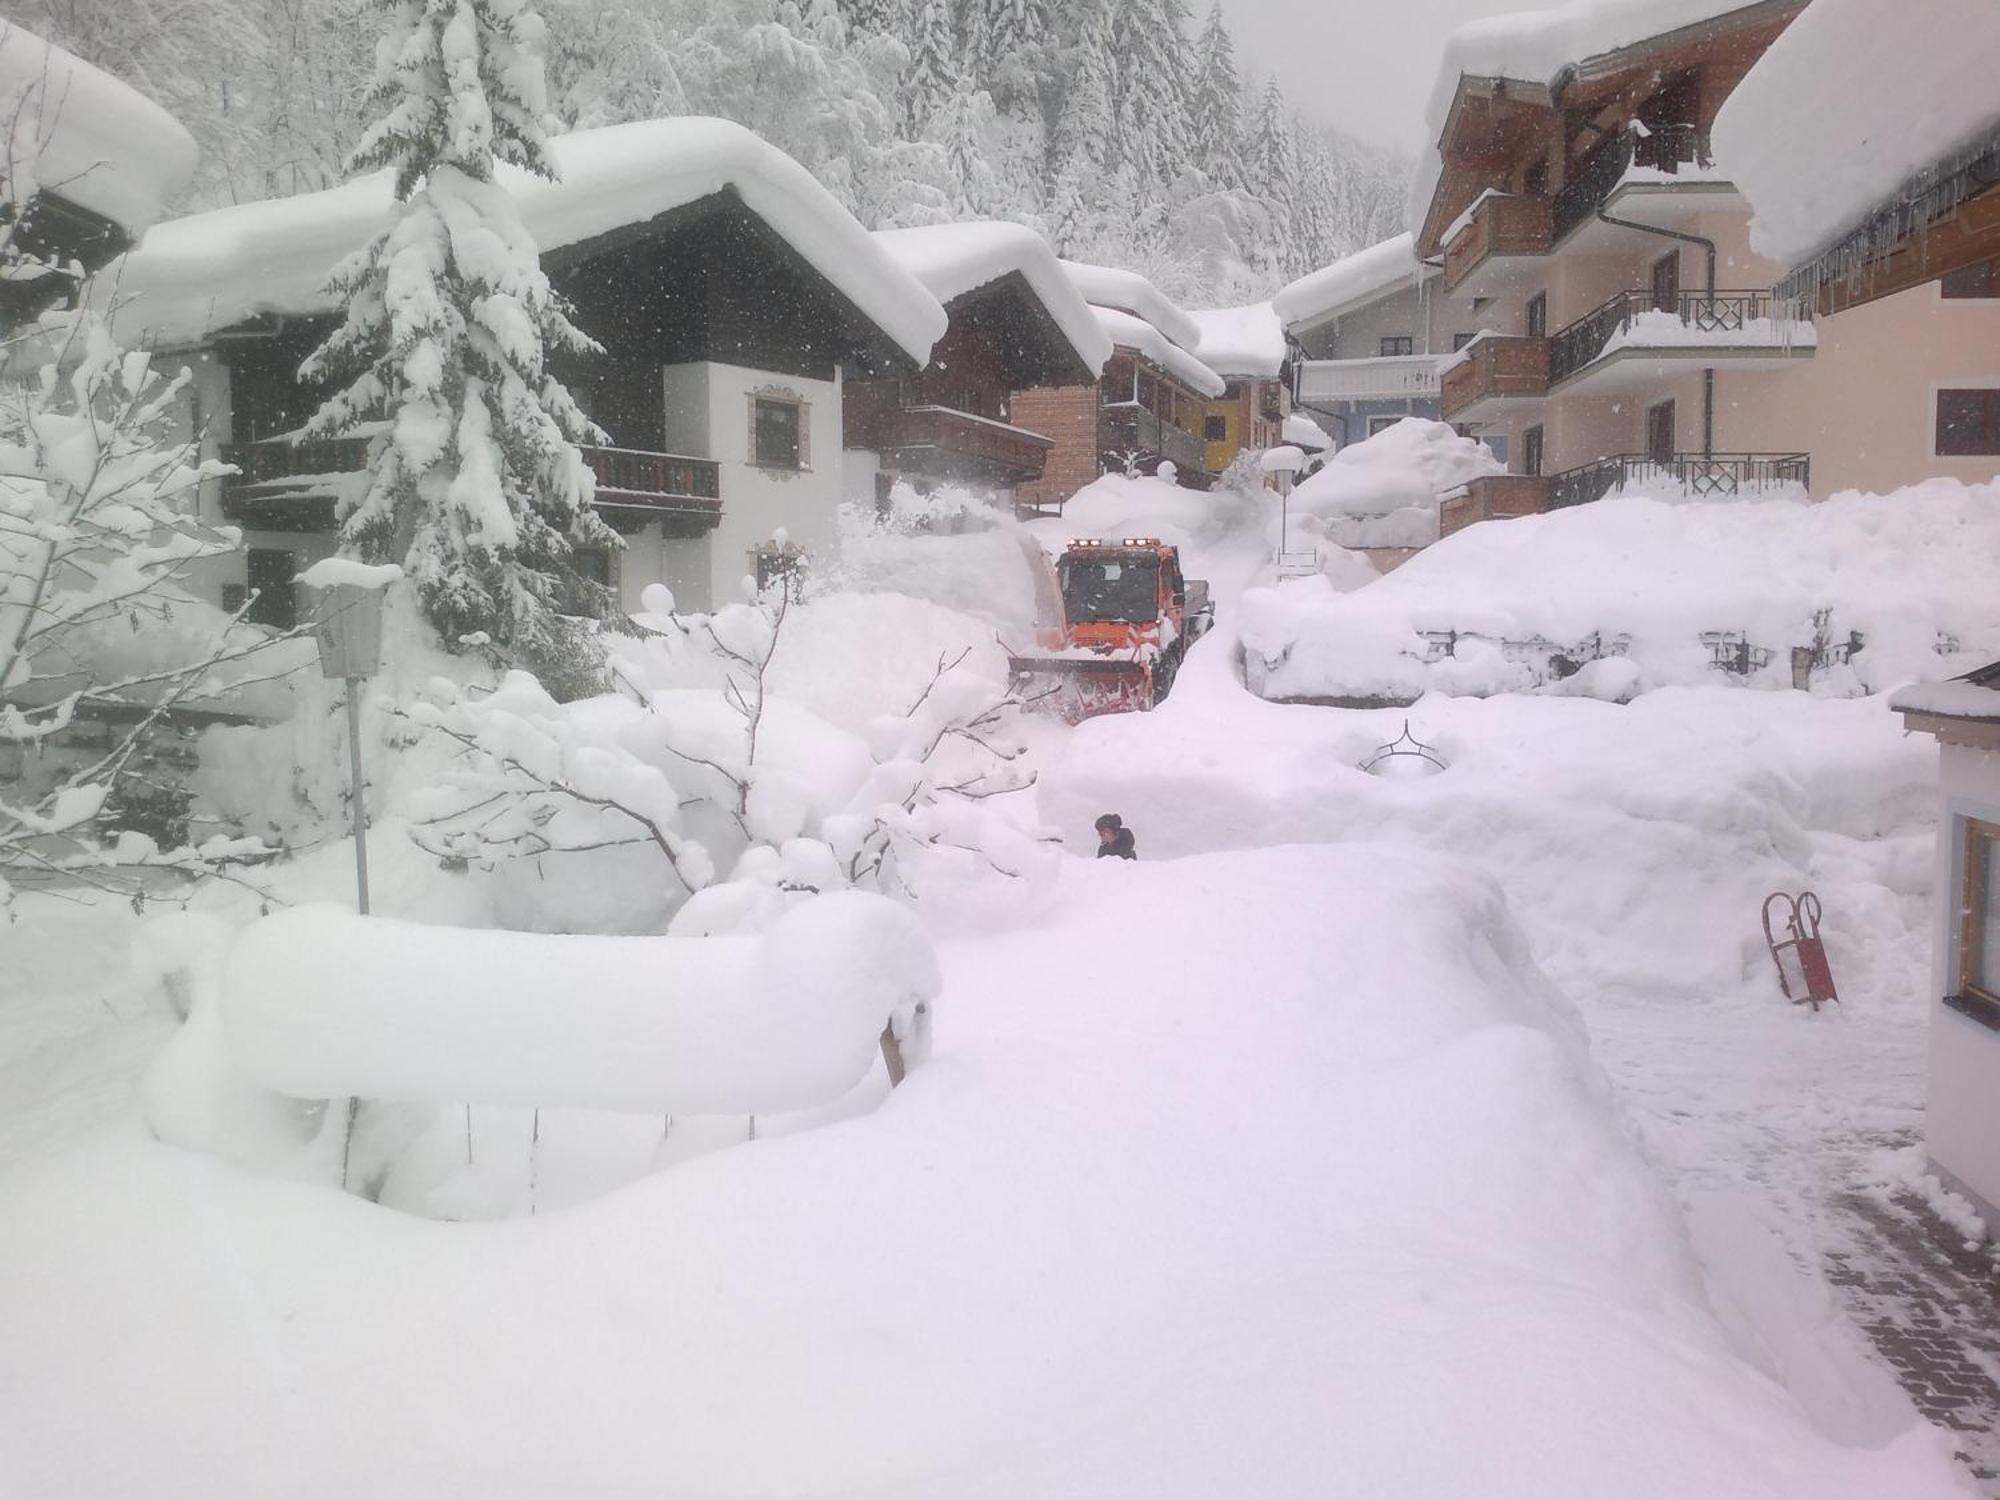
<point x="1847" y="105"/>
<point x="82" y="135"/>
<point x="1352" y="282"/>
<point x="1536" y="47"/>
<point x="1240" y="342"/>
<point x="953" y="259"/>
<point x="211" y="271"/>
<point x="1957" y="699"/>
<point x="1129" y="292"/>
<point x="1301" y="431"/>
<point x="1136" y="334"/>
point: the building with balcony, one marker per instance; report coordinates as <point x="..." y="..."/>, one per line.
<point x="99" y="159"/>
<point x="1017" y="322"/>
<point x="1147" y="409"/>
<point x="732" y="298"/>
<point x="1246" y="347"/>
<point x="1368" y="335"/>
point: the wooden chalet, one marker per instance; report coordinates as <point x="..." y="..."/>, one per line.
<point x="727" y="332"/>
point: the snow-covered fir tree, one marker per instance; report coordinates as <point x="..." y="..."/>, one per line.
<point x="476" y="485"/>
<point x="960" y="127"/>
<point x="933" y="76"/>
<point x="1216" y="105"/>
<point x="1271" y="158"/>
<point x="1153" y="125"/>
<point x="1084" y="150"/>
<point x="875" y="17"/>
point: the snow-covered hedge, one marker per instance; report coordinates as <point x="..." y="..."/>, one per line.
<point x="1629" y="594"/>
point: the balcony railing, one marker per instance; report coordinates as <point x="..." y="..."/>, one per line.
<point x="1722" y="316"/>
<point x="946" y="443"/>
<point x="1502" y="224"/>
<point x="1496" y="367"/>
<point x="1392" y="377"/>
<point x="1695" y="475"/>
<point x="1130" y="428"/>
<point x="635" y="486"/>
<point x="1667" y="148"/>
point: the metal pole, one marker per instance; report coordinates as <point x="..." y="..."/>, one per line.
<point x="360" y="813"/>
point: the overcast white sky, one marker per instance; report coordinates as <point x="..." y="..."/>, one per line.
<point x="1364" y="65"/>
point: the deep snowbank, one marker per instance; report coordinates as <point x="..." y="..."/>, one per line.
<point x="318" y="1003"/>
<point x="1383" y="491"/>
<point x="1323" y="1196"/>
<point x="1661" y="592"/>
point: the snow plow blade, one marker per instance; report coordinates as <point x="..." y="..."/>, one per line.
<point x="1080" y="688"/>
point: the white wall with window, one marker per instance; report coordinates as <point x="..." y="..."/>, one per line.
<point x="776" y="441"/>
<point x="1962" y="1109"/>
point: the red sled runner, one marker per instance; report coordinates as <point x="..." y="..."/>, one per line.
<point x="1803" y="972"/>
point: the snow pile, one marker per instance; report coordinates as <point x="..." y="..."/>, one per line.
<point x="1639" y="594"/>
<point x="1350" y="282"/>
<point x="1146" y="340"/>
<point x="1241" y="341"/>
<point x="1129" y="292"/>
<point x="212" y="271"/>
<point x="1235" y="1204"/>
<point x="1383" y="492"/>
<point x="1847" y="106"/>
<point x="954" y="259"/>
<point x="318" y="1003"/>
<point x="82" y="135"/>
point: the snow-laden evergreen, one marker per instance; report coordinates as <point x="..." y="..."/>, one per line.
<point x="476" y="484"/>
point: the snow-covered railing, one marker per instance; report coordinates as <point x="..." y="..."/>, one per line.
<point x="1717" y="317"/>
<point x="1385" y="378"/>
<point x="1695" y="475"/>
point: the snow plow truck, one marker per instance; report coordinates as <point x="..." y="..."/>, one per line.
<point x="1125" y="620"/>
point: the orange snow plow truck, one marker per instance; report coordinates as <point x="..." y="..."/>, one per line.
<point x="1114" y="629"/>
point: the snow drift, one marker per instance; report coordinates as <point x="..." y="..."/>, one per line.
<point x="1383" y="492"/>
<point x="1629" y="594"/>
<point x="318" y="1003"/>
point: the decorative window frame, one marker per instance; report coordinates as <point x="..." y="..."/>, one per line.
<point x="785" y="394"/>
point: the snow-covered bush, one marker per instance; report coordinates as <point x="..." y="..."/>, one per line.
<point x="699" y="795"/>
<point x="1383" y="492"/>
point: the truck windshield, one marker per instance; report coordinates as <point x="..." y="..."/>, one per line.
<point x="1111" y="589"/>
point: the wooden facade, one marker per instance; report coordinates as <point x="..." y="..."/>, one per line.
<point x="1137" y="413"/>
<point x="957" y="419"/>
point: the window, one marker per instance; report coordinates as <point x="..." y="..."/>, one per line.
<point x="270" y="573"/>
<point x="1981" y="280"/>
<point x="778" y="432"/>
<point x="772" y="563"/>
<point x="593" y="564"/>
<point x="1215" y="429"/>
<point x="1968" y="422"/>
<point x="1531" y="451"/>
<point x="1660" y="432"/>
<point x="1271" y="402"/>
<point x="1538" y="316"/>
<point x="885" y="495"/>
<point x="1381" y="424"/>
<point x="1460" y="340"/>
<point x="1979" y="930"/>
<point x="1400" y="343"/>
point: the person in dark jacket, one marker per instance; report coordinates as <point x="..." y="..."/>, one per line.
<point x="1114" y="839"/>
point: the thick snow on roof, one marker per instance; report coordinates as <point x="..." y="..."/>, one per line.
<point x="1533" y="46"/>
<point x="82" y="135"/>
<point x="1351" y="282"/>
<point x="1241" y="341"/>
<point x="1842" y="110"/>
<point x="1129" y="292"/>
<point x="1301" y="431"/>
<point x="1136" y="334"/>
<point x="210" y="271"/>
<point x="953" y="259"/>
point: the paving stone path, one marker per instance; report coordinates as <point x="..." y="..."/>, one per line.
<point x="1932" y="1308"/>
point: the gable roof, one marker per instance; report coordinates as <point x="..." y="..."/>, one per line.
<point x="1359" y="279"/>
<point x="198" y="275"/>
<point x="953" y="260"/>
<point x="81" y="135"/>
<point x="1142" y="338"/>
<point x="1129" y="292"/>
<point x="1241" y="342"/>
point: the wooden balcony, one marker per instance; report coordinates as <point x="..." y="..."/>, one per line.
<point x="288" y="486"/>
<point x="635" y="486"/>
<point x="941" y="442"/>
<point x="1130" y="428"/>
<point x="1504" y="224"/>
<point x="1496" y="369"/>
<point x="1494" y="497"/>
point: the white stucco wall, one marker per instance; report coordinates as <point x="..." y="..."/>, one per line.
<point x="1962" y="1113"/>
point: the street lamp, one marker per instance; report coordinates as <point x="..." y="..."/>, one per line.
<point x="1284" y="461"/>
<point x="347" y="627"/>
